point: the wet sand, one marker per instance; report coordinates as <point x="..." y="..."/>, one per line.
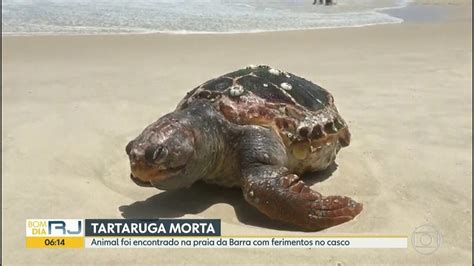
<point x="71" y="104"/>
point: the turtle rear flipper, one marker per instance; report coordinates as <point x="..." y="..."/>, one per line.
<point x="279" y="194"/>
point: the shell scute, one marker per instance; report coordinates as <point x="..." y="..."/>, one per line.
<point x="260" y="95"/>
<point x="219" y="84"/>
<point x="269" y="92"/>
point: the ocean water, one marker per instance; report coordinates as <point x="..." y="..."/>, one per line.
<point x="77" y="17"/>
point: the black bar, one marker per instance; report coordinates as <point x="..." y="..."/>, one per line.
<point x="151" y="227"/>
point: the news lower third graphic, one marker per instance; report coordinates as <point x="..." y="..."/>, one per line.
<point x="186" y="233"/>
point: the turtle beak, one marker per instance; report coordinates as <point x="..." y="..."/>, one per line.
<point x="140" y="182"/>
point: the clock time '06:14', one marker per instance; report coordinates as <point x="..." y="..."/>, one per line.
<point x="54" y="242"/>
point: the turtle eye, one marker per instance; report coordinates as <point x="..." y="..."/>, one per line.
<point x="154" y="153"/>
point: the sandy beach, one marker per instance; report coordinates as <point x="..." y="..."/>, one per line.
<point x="71" y="104"/>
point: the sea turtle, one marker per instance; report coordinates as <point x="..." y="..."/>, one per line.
<point x="257" y="128"/>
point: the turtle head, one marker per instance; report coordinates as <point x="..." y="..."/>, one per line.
<point x="162" y="155"/>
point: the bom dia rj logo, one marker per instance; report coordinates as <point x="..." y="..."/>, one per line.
<point x="49" y="227"/>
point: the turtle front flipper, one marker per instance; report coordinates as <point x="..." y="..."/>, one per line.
<point x="279" y="194"/>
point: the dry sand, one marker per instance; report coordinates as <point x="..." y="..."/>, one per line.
<point x="70" y="104"/>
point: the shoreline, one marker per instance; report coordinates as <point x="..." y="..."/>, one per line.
<point x="382" y="10"/>
<point x="453" y="8"/>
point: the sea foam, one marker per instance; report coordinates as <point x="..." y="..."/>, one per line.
<point x="84" y="17"/>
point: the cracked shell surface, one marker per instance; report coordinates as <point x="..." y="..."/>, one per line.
<point x="299" y="108"/>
